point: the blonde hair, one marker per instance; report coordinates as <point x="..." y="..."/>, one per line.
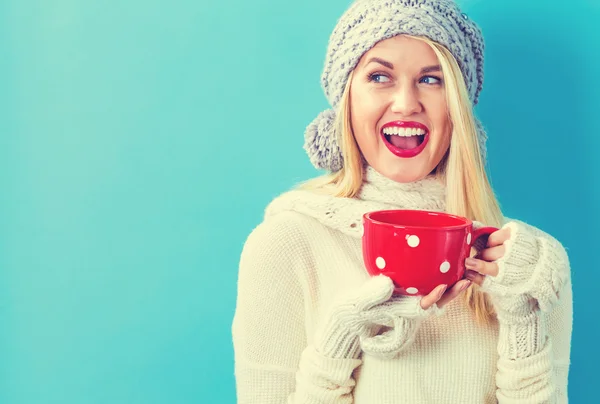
<point x="469" y="193"/>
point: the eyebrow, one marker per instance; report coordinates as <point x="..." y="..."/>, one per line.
<point x="426" y="69"/>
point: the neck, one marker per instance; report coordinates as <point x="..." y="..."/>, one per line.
<point x="428" y="193"/>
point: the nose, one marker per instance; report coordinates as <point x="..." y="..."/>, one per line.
<point x="405" y="100"/>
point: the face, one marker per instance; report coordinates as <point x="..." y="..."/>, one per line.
<point x="398" y="108"/>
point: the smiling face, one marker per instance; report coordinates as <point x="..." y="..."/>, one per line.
<point x="398" y="109"/>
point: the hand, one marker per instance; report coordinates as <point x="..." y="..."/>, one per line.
<point x="442" y="297"/>
<point x="478" y="269"/>
<point x="522" y="261"/>
<point x="356" y="317"/>
<point x="515" y="304"/>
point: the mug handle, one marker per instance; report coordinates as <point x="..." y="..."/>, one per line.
<point x="482" y="231"/>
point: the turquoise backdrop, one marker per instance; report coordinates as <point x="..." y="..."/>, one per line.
<point x="141" y="140"/>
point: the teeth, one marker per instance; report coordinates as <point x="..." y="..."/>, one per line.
<point x="394" y="130"/>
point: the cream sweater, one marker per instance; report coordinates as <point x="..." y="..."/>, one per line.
<point x="308" y="250"/>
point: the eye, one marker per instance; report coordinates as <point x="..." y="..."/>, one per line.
<point x="379" y="78"/>
<point x="431" y="80"/>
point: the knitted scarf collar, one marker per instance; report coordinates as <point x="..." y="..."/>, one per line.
<point x="377" y="193"/>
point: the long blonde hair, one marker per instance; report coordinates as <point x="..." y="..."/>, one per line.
<point x="469" y="193"/>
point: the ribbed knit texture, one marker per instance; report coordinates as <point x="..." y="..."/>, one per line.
<point x="306" y="254"/>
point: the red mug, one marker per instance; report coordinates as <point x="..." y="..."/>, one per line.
<point x="419" y="250"/>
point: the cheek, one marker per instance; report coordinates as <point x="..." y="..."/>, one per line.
<point x="357" y="112"/>
<point x="364" y="122"/>
<point x="441" y="119"/>
<point x="366" y="110"/>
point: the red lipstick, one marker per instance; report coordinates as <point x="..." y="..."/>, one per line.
<point x="406" y="153"/>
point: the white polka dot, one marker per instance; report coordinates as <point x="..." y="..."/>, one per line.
<point x="445" y="267"/>
<point x="469" y="238"/>
<point x="413" y="241"/>
<point x="380" y="262"/>
<point x="411" y="291"/>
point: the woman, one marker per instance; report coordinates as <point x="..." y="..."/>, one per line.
<point x="311" y="326"/>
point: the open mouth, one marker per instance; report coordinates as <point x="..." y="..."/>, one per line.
<point x="405" y="140"/>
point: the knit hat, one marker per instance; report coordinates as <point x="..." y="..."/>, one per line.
<point x="363" y="25"/>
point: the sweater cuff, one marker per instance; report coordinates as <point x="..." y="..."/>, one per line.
<point x="522" y="339"/>
<point x="321" y="379"/>
<point x="337" y="342"/>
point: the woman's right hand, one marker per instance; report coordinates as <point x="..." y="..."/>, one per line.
<point x="442" y="297"/>
<point x="372" y="319"/>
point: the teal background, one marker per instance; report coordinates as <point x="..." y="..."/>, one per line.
<point x="141" y="140"/>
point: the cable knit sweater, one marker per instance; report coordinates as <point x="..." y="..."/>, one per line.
<point x="308" y="250"/>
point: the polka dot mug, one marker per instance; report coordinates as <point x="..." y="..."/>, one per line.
<point x="417" y="249"/>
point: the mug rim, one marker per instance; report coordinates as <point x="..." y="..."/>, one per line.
<point x="466" y="221"/>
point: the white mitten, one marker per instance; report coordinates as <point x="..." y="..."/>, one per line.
<point x="355" y="320"/>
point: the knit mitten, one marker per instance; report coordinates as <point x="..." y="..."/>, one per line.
<point x="400" y="317"/>
<point x="354" y="321"/>
<point x="531" y="274"/>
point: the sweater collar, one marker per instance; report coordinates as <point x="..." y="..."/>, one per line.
<point x="428" y="193"/>
<point x="377" y="193"/>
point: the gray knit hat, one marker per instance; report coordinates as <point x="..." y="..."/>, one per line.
<point x="368" y="22"/>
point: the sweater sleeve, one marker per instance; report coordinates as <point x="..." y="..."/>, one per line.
<point x="542" y="376"/>
<point x="273" y="361"/>
<point x="560" y="328"/>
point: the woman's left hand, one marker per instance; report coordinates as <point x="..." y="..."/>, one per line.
<point x="522" y="270"/>
<point x="478" y="268"/>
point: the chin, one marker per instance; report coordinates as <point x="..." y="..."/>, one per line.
<point x="404" y="175"/>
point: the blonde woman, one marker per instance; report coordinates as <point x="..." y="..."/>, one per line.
<point x="311" y="326"/>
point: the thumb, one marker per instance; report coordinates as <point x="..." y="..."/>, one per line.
<point x="376" y="290"/>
